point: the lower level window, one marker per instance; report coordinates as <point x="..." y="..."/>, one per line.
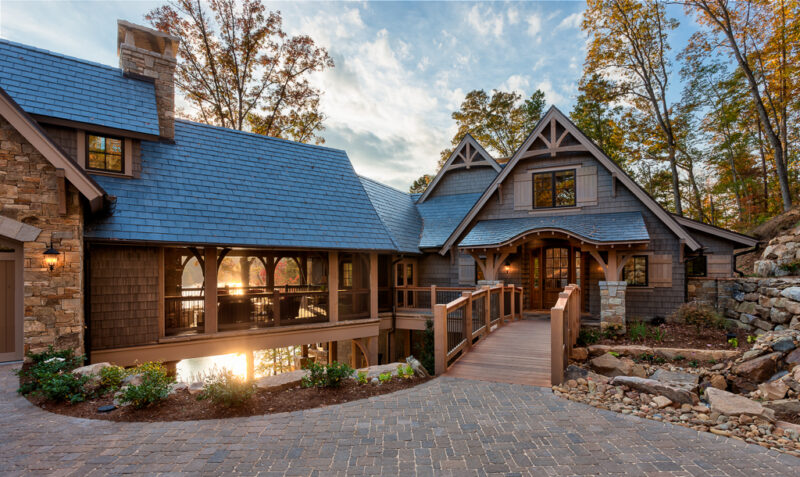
<point x="696" y="266"/>
<point x="635" y="271"/>
<point x="104" y="153"/>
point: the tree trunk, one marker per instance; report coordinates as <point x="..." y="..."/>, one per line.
<point x="676" y="191"/>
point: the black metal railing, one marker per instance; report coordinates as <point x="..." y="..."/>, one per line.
<point x="456" y="328"/>
<point x="354" y="304"/>
<point x="494" y="306"/>
<point x="478" y="313"/>
<point x="184" y="315"/>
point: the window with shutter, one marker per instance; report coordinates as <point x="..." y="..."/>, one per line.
<point x="660" y="270"/>
<point x="523" y="191"/>
<point x="587" y="186"/>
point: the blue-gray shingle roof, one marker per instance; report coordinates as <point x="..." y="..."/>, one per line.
<point x="398" y="213"/>
<point x="596" y="228"/>
<point x="58" y="86"/>
<point x="441" y="215"/>
<point x="225" y="187"/>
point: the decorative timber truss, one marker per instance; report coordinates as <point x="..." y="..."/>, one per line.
<point x="466" y="155"/>
<point x="552" y="139"/>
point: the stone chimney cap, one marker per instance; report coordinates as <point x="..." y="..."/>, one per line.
<point x="146" y="38"/>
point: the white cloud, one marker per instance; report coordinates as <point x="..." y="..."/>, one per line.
<point x="487" y="22"/>
<point x="571" y="21"/>
<point x="516" y="83"/>
<point x="327" y="29"/>
<point x="534" y="25"/>
<point x="513" y="16"/>
<point x="550" y="94"/>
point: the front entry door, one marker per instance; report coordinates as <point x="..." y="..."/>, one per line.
<point x="10" y="316"/>
<point x="557" y="272"/>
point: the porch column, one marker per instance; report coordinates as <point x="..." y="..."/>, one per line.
<point x="612" y="294"/>
<point x="373" y="285"/>
<point x="333" y="287"/>
<point x="210" y="291"/>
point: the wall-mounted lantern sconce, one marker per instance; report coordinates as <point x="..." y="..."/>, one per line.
<point x="51" y="257"/>
<point x="507" y="267"/>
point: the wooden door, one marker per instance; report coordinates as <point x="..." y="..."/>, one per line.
<point x="536" y="279"/>
<point x="557" y="270"/>
<point x="10" y="343"/>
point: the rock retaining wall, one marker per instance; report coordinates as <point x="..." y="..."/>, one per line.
<point x="752" y="303"/>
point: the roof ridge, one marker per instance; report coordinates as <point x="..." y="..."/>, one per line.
<point x="256" y="135"/>
<point x="382" y="184"/>
<point x="62" y="55"/>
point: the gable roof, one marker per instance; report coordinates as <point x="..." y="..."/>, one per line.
<point x="18" y="231"/>
<point x="49" y="84"/>
<point x="465" y="152"/>
<point x="554" y="114"/>
<point x="52" y="152"/>
<point x="735" y="237"/>
<point x="397" y="212"/>
<point x="219" y="186"/>
<point x="613" y="228"/>
<point x="441" y="214"/>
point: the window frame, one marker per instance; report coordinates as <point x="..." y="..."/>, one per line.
<point x="553" y="194"/>
<point x="632" y="262"/>
<point x="89" y="152"/>
<point x="705" y="266"/>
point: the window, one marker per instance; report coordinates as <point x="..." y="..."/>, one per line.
<point x="696" y="266"/>
<point x="554" y="189"/>
<point x="105" y="153"/>
<point x="635" y="271"/>
<point x="347" y="275"/>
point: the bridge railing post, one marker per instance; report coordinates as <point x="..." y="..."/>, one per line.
<point x="440" y="339"/>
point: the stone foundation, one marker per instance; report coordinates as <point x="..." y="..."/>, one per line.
<point x="751" y="303"/>
<point x="612" y="306"/>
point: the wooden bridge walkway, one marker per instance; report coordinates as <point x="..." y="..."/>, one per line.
<point x="517" y="353"/>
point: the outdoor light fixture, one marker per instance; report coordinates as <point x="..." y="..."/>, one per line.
<point x="508" y="266"/>
<point x="51" y="257"/>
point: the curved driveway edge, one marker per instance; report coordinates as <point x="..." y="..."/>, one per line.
<point x="447" y="426"/>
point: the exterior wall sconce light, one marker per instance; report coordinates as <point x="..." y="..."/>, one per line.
<point x="507" y="267"/>
<point x="51" y="257"/>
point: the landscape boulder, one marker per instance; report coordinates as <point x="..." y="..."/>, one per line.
<point x="576" y="372"/>
<point x="579" y="354"/>
<point x="416" y="365"/>
<point x="281" y="381"/>
<point x="784" y="406"/>
<point x="759" y="369"/>
<point x="91" y="369"/>
<point x="773" y="390"/>
<point x="677" y="379"/>
<point x="718" y="381"/>
<point x="651" y="386"/>
<point x="729" y="404"/>
<point x="611" y="366"/>
<point x="195" y="388"/>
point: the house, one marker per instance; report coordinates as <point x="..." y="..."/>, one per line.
<point x="132" y="235"/>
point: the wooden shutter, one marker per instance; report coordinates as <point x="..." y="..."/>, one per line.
<point x="660" y="270"/>
<point x="466" y="270"/>
<point x="719" y="266"/>
<point x="586" y="186"/>
<point x="523" y="191"/>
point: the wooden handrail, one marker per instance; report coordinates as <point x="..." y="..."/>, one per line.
<point x="565" y="323"/>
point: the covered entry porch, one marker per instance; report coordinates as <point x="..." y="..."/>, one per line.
<point x="601" y="253"/>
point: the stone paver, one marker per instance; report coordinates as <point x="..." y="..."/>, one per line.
<point x="445" y="427"/>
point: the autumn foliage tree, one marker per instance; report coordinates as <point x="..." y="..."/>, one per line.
<point x="239" y="69"/>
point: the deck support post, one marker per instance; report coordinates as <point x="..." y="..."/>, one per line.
<point x="440" y="339"/>
<point x="333" y="287"/>
<point x="513" y="303"/>
<point x="210" y="290"/>
<point x="373" y="285"/>
<point x="250" y="364"/>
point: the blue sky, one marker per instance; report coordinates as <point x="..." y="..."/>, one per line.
<point x="401" y="67"/>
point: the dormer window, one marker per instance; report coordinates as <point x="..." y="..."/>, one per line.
<point x="105" y="153"/>
<point x="554" y="189"/>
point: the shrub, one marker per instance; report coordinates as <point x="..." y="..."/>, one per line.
<point x="226" y="389"/>
<point x="44" y="375"/>
<point x="734" y="342"/>
<point x="637" y="331"/>
<point x="588" y="336"/>
<point x="326" y="376"/>
<point x="111" y="378"/>
<point x="155" y="386"/>
<point x="658" y="334"/>
<point x="405" y="371"/>
<point x="426" y="356"/>
<point x="702" y="317"/>
<point x="693" y="363"/>
<point x="385" y="377"/>
<point x="362" y="377"/>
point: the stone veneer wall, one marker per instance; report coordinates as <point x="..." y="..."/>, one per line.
<point x="752" y="303"/>
<point x="612" y="306"/>
<point x="29" y="194"/>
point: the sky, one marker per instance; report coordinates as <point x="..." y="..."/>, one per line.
<point x="401" y="69"/>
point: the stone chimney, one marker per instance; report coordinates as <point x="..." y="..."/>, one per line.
<point x="147" y="53"/>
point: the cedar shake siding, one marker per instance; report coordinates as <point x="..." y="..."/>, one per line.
<point x="124" y="296"/>
<point x="464" y="181"/>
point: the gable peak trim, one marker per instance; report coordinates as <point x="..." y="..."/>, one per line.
<point x="467" y="150"/>
<point x="552" y="116"/>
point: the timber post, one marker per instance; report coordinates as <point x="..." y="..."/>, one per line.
<point x="440" y="339"/>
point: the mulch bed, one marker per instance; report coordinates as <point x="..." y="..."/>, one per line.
<point x="183" y="406"/>
<point x="683" y="336"/>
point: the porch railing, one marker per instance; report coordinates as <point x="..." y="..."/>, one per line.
<point x="565" y="323"/>
<point x="466" y="320"/>
<point x="422" y="299"/>
<point x="354" y="304"/>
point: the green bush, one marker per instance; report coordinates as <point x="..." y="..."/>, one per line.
<point x="362" y="377"/>
<point x="385" y="377"/>
<point x="426" y="356"/>
<point x="50" y="374"/>
<point x="588" y="336"/>
<point x="702" y="317"/>
<point x="658" y="334"/>
<point x="155" y="385"/>
<point x="405" y="371"/>
<point x="226" y="389"/>
<point x="637" y="331"/>
<point x="326" y="376"/>
<point x="111" y="378"/>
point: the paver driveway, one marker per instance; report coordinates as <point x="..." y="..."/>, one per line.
<point x="445" y="427"/>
